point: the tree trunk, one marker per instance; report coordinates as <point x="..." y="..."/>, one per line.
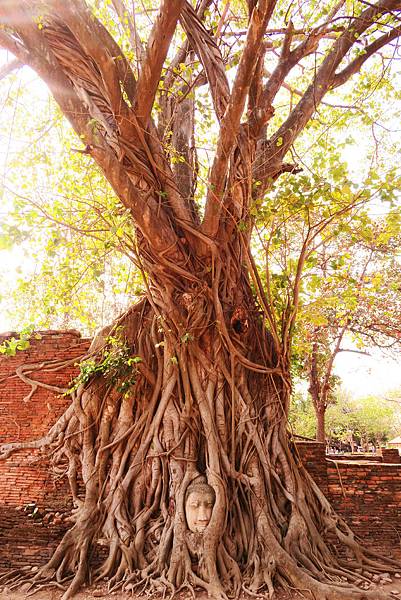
<point x="318" y="390"/>
<point x="186" y="385"/>
<point x="321" y="424"/>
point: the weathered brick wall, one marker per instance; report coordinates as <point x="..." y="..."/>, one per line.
<point x="356" y="457"/>
<point x="25" y="476"/>
<point x="365" y="490"/>
<point x="26" y="541"/>
<point x="390" y="455"/>
<point x="368" y="496"/>
<point x="312" y="456"/>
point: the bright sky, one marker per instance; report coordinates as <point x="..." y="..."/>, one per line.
<point x="368" y="375"/>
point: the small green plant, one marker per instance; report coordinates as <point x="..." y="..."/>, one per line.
<point x="186" y="338"/>
<point x="12" y="345"/>
<point x="116" y="364"/>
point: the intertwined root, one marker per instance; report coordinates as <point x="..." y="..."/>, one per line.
<point x="137" y="437"/>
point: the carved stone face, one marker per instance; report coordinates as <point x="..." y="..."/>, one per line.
<point x="198" y="509"/>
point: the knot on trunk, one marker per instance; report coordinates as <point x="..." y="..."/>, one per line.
<point x="239" y="320"/>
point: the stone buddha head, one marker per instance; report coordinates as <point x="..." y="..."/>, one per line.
<point x="199" y="501"/>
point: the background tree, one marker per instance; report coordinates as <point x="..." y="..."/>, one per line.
<point x="356" y="310"/>
<point x="351" y="421"/>
<point x="320" y="243"/>
<point x="195" y="378"/>
<point x="363" y="421"/>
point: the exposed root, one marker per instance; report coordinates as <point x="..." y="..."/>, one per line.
<point x="160" y="410"/>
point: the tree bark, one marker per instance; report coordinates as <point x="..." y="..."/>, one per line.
<point x="321" y="425"/>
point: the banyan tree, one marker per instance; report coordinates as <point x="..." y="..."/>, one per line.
<point x="189" y="389"/>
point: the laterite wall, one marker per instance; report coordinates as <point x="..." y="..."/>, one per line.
<point x="366" y="493"/>
<point x="25" y="476"/>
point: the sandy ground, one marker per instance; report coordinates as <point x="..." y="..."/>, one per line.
<point x="99" y="592"/>
<point x="394" y="588"/>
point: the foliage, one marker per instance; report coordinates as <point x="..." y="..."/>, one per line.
<point x="301" y="417"/>
<point x="326" y="255"/>
<point x="370" y="419"/>
<point x="70" y="239"/>
<point x="117" y="365"/>
<point x="72" y="230"/>
<point x="10" y="346"/>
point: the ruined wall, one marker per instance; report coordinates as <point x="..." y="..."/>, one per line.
<point x="368" y="496"/>
<point x="311" y="455"/>
<point x="366" y="493"/>
<point x="25" y="476"/>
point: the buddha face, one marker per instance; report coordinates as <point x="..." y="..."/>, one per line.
<point x="198" y="509"/>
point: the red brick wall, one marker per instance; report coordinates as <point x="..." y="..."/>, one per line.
<point x="367" y="493"/>
<point x="368" y="496"/>
<point x="356" y="457"/>
<point x="390" y="455"/>
<point x="25" y="541"/>
<point x="25" y="476"/>
<point x="311" y="455"/>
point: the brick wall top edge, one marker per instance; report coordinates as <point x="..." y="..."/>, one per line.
<point x="367" y="466"/>
<point x="46" y="332"/>
<point x="307" y="443"/>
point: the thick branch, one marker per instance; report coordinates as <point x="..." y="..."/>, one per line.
<point x="232" y="118"/>
<point x="156" y="52"/>
<point x="108" y="56"/>
<point x="127" y="136"/>
<point x="11" y="43"/>
<point x="210" y="56"/>
<point x="288" y="61"/>
<point x="37" y="53"/>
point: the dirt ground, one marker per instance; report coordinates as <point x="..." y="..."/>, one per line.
<point x="100" y="591"/>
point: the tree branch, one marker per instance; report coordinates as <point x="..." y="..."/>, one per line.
<point x="210" y="56"/>
<point x="354" y="351"/>
<point x="230" y="124"/>
<point x="10" y="67"/>
<point x="76" y="18"/>
<point x="281" y="141"/>
<point x="156" y="52"/>
<point x="127" y="21"/>
<point x="357" y="63"/>
<point x="130" y="139"/>
<point x="288" y="61"/>
<point x="37" y="53"/>
<point x="12" y="44"/>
